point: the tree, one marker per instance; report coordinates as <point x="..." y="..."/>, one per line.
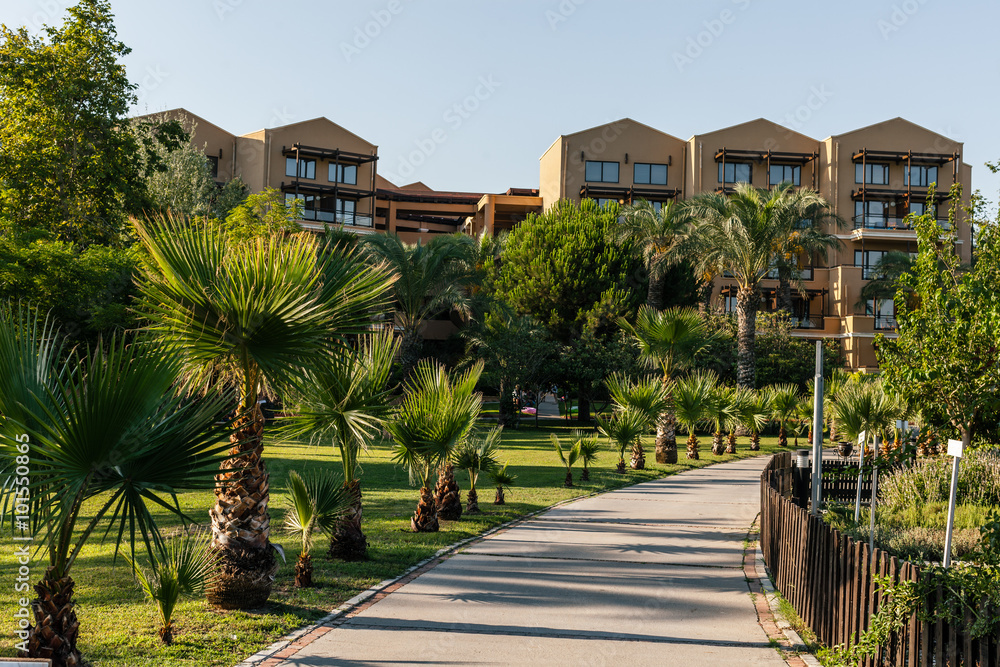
<point x="261" y="215"/>
<point x="475" y="456"/>
<point x="885" y="277"/>
<point x="318" y="501"/>
<point x="345" y="400"/>
<point x="659" y="236"/>
<point x="501" y="479"/>
<point x="566" y="457"/>
<point x="721" y="414"/>
<point x="946" y="353"/>
<point x="68" y="164"/>
<point x="431" y="278"/>
<point x="693" y="397"/>
<point x="669" y="340"/>
<point x="784" y="406"/>
<point x="110" y="429"/>
<point x="623" y="429"/>
<point x="742" y="233"/>
<point x="648" y="396"/>
<point x="805" y="239"/>
<point x="436" y="416"/>
<point x="256" y="314"/>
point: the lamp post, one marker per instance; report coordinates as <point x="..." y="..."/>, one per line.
<point x="817" y="471"/>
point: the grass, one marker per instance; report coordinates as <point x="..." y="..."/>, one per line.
<point x="118" y="627"/>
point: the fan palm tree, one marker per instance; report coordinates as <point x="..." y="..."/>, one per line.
<point x="805" y="238"/>
<point x="588" y="453"/>
<point x="742" y="400"/>
<point x="501" y="479"/>
<point x="659" y="236"/>
<point x="436" y="416"/>
<point x="623" y="429"/>
<point x="430" y="279"/>
<point x="721" y="413"/>
<point x="107" y="427"/>
<point x="646" y="395"/>
<point x="255" y="314"/>
<point x="668" y="340"/>
<point x="755" y="416"/>
<point x="186" y="569"/>
<point x="475" y="456"/>
<point x="742" y="233"/>
<point x="865" y="407"/>
<point x="784" y="406"/>
<point x="346" y="399"/>
<point x="318" y="501"/>
<point x="568" y="458"/>
<point x="693" y="398"/>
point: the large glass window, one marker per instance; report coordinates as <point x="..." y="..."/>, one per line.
<point x="884" y="311"/>
<point x="735" y="172"/>
<point x="871" y="214"/>
<point x="307" y="167"/>
<point x="922" y="176"/>
<point x="343" y="173"/>
<point x="309" y="208"/>
<point x="867" y="260"/>
<point x="602" y="172"/>
<point x="781" y="173"/>
<point x="644" y="173"/>
<point x="871" y="174"/>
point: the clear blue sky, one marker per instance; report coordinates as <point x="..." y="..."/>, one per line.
<point x="524" y="72"/>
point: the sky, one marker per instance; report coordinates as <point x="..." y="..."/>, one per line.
<point x="466" y="95"/>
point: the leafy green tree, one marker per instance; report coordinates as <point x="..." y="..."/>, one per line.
<point x="659" y="236"/>
<point x="110" y="435"/>
<point x="743" y="233"/>
<point x="949" y="330"/>
<point x="263" y="214"/>
<point x="68" y="164"/>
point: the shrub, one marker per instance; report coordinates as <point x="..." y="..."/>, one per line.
<point x="929" y="481"/>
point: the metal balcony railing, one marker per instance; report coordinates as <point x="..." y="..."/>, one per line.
<point x="885" y="323"/>
<point x="336" y="218"/>
<point x="889" y="223"/>
<point x="809" y="322"/>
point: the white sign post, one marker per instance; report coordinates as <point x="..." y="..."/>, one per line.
<point x="954" y="450"/>
<point x="862" y="437"/>
<point x="817" y="443"/>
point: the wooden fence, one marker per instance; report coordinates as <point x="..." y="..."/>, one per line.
<point x="829" y="580"/>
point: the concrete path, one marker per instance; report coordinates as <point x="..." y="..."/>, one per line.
<point x="649" y="575"/>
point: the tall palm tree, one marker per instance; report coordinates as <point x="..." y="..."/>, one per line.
<point x="806" y="238"/>
<point x="436" y="416"/>
<point x="646" y="395"/>
<point x="784" y="406"/>
<point x="660" y="237"/>
<point x="113" y="427"/>
<point x="346" y="400"/>
<point x="256" y="314"/>
<point x="741" y="233"/>
<point x="431" y="278"/>
<point x="668" y="340"/>
<point x="693" y="398"/>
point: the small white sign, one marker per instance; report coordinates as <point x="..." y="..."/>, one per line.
<point x="861" y="438"/>
<point x="955" y="448"/>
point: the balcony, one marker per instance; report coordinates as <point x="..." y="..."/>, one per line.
<point x="885" y="323"/>
<point x="348" y="219"/>
<point x="808" y="322"/>
<point x="890" y="223"/>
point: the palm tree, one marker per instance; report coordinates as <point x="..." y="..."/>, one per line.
<point x="431" y="278"/>
<point x="111" y="428"/>
<point x="475" y="456"/>
<point x="501" y="479"/>
<point x="784" y="407"/>
<point x="806" y="238"/>
<point x="865" y="407"/>
<point x="567" y="458"/>
<point x="588" y="453"/>
<point x="186" y="569"/>
<point x="693" y="398"/>
<point x="346" y="399"/>
<point x="743" y="401"/>
<point x="436" y="416"/>
<point x="318" y="501"/>
<point x="659" y="236"/>
<point x="668" y="340"/>
<point x="646" y="395"/>
<point x="623" y="429"/>
<point x="255" y="314"/>
<point x="756" y="414"/>
<point x="741" y="233"/>
<point x="721" y="413"/>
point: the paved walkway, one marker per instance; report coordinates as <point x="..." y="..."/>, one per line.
<point x="648" y="575"/>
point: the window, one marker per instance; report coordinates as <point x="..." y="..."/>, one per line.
<point x="604" y="203"/>
<point x="307" y="167"/>
<point x="871" y="214"/>
<point x="308" y="204"/>
<point x="871" y="174"/>
<point x="343" y="173"/>
<point x="884" y="312"/>
<point x="729" y="304"/>
<point x="734" y="172"/>
<point x="644" y="173"/>
<point x="780" y="173"/>
<point x="922" y="176"/>
<point x="213" y="165"/>
<point x="602" y="172"/>
<point x="867" y="260"/>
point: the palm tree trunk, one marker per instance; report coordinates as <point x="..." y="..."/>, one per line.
<point x="747" y="302"/>
<point x="425" y="519"/>
<point x="304" y="571"/>
<point x="731" y="443"/>
<point x="585" y="475"/>
<point x="472" y="503"/>
<point x="241" y="523"/>
<point x="498" y="499"/>
<point x="718" y="447"/>
<point x="348" y="541"/>
<point x="692" y="446"/>
<point x="569" y="478"/>
<point x="782" y="437"/>
<point x="638" y="456"/>
<point x="410" y="348"/>
<point x="54" y="634"/>
<point x="654" y="297"/>
<point x="783" y="298"/>
<point x="755" y="442"/>
<point x="447" y="498"/>
<point x="666" y="433"/>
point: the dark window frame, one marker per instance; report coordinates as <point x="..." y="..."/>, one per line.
<point x="603" y="164"/>
<point x="865" y="176"/>
<point x="925" y="170"/>
<point x="796" y="173"/>
<point x="733" y="164"/>
<point x="649" y="167"/>
<point x="305" y="165"/>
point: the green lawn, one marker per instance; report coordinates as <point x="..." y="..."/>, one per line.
<point x="118" y="627"/>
